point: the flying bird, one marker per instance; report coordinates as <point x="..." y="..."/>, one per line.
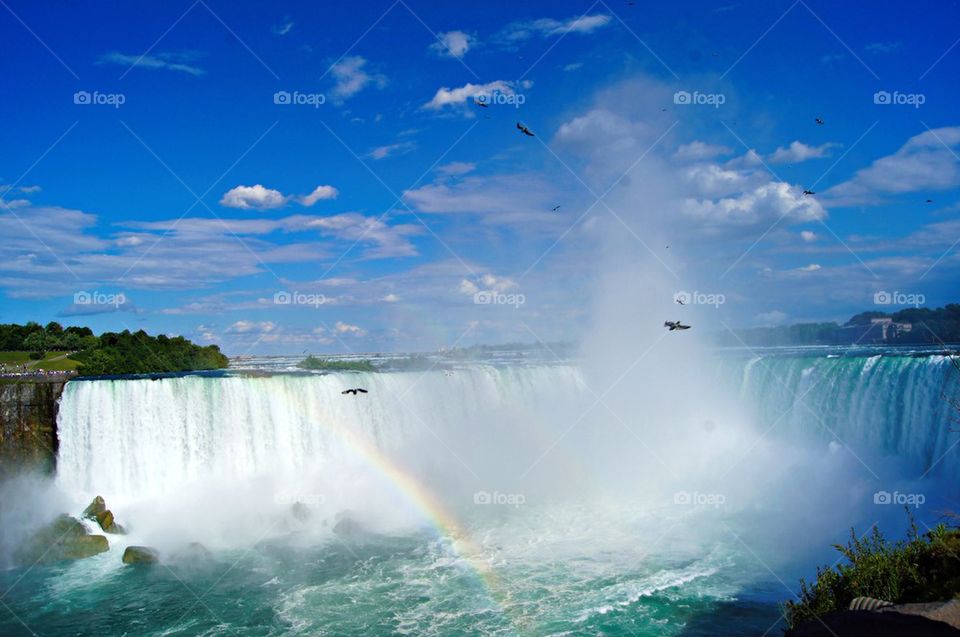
<point x="526" y="131"/>
<point x="679" y="301"/>
<point x="555" y="208"/>
<point x="675" y="325"/>
<point x="808" y="192"/>
<point x="929" y="200"/>
<point x="354" y="391"/>
<point x="819" y="121"/>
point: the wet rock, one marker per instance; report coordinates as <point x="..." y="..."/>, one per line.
<point x="95" y="508"/>
<point x="107" y="523"/>
<point x="140" y="555"/>
<point x="63" y="539"/>
<point x="917" y="620"/>
<point x="347" y="525"/>
<point x="300" y="511"/>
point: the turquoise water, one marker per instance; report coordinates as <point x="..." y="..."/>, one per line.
<point x="772" y="463"/>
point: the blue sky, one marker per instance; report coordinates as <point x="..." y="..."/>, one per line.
<point x="148" y="167"/>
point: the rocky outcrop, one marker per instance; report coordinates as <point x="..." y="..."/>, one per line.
<point x="28" y="423"/>
<point x="97" y="510"/>
<point x="140" y="555"/>
<point x="917" y="620"/>
<point x="63" y="539"/>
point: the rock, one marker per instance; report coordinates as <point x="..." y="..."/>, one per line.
<point x="108" y="524"/>
<point x="346" y="526"/>
<point x="193" y="552"/>
<point x="300" y="511"/>
<point x="917" y="620"/>
<point x="63" y="539"/>
<point x="95" y="508"/>
<point x="140" y="555"/>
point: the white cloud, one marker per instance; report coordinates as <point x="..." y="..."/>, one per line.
<point x="13" y="204"/>
<point x="926" y="162"/>
<point x="769" y="201"/>
<point x="389" y="150"/>
<point x="284" y="27"/>
<point x="319" y="193"/>
<point x="798" y="151"/>
<point x="347" y="328"/>
<point x="457" y="168"/>
<point x="248" y="327"/>
<point x="697" y="150"/>
<point x="351" y="78"/>
<point x="516" y="198"/>
<point x="545" y="27"/>
<point x="453" y="44"/>
<point x="808" y="236"/>
<point x="573" y="66"/>
<point x="254" y="197"/>
<point x="773" y="317"/>
<point x="387" y="240"/>
<point x="456" y="96"/>
<point x="391" y="298"/>
<point x="169" y="61"/>
<point x="813" y="267"/>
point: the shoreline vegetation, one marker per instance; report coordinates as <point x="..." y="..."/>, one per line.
<point x="53" y="348"/>
<point x="919" y="569"/>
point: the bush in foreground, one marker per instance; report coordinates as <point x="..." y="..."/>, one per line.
<point x="921" y="568"/>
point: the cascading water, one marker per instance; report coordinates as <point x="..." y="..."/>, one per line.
<point x="513" y="500"/>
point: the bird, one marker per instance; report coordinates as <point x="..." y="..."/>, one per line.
<point x="555" y="208"/>
<point x="929" y="200"/>
<point x="808" y="192"/>
<point x="679" y="301"/>
<point x="481" y="103"/>
<point x="354" y="391"/>
<point x="675" y="325"/>
<point x="526" y="131"/>
<point x="819" y="121"/>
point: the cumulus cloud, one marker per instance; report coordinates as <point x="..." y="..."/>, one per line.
<point x="453" y="44"/>
<point x="457" y="96"/>
<point x="169" y="61"/>
<point x="769" y="201"/>
<point x="808" y="236"/>
<point x="248" y="327"/>
<point x="347" y="328"/>
<point x="928" y="161"/>
<point x="351" y="77"/>
<point x="798" y="151"/>
<point x="254" y="197"/>
<point x="318" y="194"/>
<point x="386" y="240"/>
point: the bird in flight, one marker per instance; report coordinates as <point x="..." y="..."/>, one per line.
<point x="526" y="131"/>
<point x="675" y="325"/>
<point x="354" y="391"/>
<point x="679" y="301"/>
<point x="555" y="208"/>
<point x="929" y="200"/>
<point x="819" y="121"/>
<point x="808" y="192"/>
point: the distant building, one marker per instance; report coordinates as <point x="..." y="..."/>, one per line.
<point x="889" y="330"/>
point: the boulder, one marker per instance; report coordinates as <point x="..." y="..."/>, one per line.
<point x="917" y="620"/>
<point x="107" y="523"/>
<point x="347" y="526"/>
<point x="95" y="508"/>
<point x="193" y="552"/>
<point x="300" y="511"/>
<point x="63" y="539"/>
<point x="140" y="555"/>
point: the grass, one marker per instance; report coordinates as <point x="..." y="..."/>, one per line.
<point x="333" y="365"/>
<point x="52" y="361"/>
<point x="921" y="568"/>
